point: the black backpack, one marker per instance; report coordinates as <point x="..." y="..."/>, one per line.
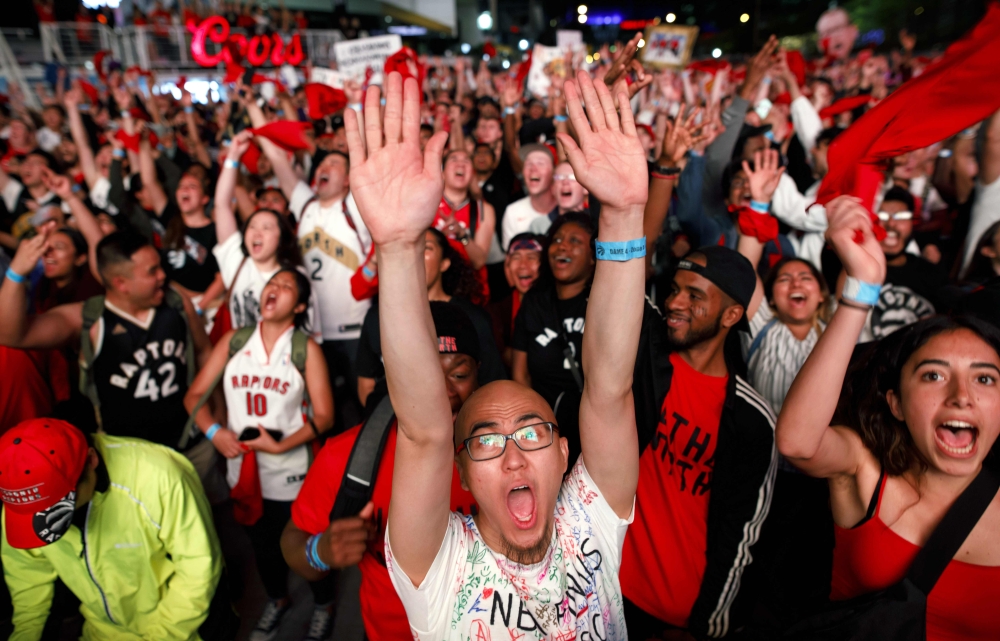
<point x="362" y="467"/>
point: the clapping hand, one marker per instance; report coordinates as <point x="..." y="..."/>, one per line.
<point x="609" y="161"/>
<point x="764" y="175"/>
<point x="397" y="188"/>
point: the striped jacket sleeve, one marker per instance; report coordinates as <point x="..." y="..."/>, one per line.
<point x="742" y="486"/>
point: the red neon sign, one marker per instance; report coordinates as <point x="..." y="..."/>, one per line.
<point x="257" y="50"/>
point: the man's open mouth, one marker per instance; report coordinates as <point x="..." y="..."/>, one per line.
<point x="521" y="505"/>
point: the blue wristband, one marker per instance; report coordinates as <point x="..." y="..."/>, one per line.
<point x="621" y="251"/>
<point x="368" y="272"/>
<point x="118" y="153"/>
<point x="14" y="276"/>
<point x="231" y="164"/>
<point x="189" y="109"/>
<point x="212" y="431"/>
<point x="560" y="118"/>
<point x="759" y="207"/>
<point x="859" y="291"/>
<point x="312" y="554"/>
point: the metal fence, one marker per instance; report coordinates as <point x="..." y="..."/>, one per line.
<point x="156" y="47"/>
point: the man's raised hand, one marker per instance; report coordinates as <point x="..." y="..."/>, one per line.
<point x="397" y="188"/>
<point x="609" y="161"/>
<point x="764" y="175"/>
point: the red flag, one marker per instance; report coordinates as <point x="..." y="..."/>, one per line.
<point x="99" y="64"/>
<point x="923" y="111"/>
<point x="90" y="90"/>
<point x="844" y="104"/>
<point x="250" y="158"/>
<point x="406" y="63"/>
<point x="287" y="134"/>
<point x="522" y="71"/>
<point x="708" y="66"/>
<point x="324" y="100"/>
<point x="797" y="65"/>
<point x="234" y="72"/>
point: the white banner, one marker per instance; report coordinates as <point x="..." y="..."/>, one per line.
<point x="355" y="57"/>
<point x="327" y="77"/>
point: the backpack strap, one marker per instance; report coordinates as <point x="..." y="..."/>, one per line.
<point x="954" y="528"/>
<point x="359" y="478"/>
<point x="236" y="343"/>
<point x="174" y="299"/>
<point x="93" y="309"/>
<point x="300" y="350"/>
<point x="759" y="338"/>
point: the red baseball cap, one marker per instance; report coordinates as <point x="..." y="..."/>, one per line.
<point x="40" y="463"/>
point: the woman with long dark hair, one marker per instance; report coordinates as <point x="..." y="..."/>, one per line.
<point x="248" y="260"/>
<point x="922" y="420"/>
<point x="547" y="340"/>
<point x="267" y="435"/>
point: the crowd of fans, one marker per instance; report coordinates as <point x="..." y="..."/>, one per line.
<point x="232" y="310"/>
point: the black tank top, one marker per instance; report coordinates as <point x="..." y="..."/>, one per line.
<point x="141" y="376"/>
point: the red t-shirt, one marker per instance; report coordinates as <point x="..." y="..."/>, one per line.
<point x="445" y="212"/>
<point x="381" y="609"/>
<point x="663" y="560"/>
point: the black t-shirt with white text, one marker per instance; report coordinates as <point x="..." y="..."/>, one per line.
<point x="192" y="264"/>
<point x="542" y="327"/>
<point x="912" y="291"/>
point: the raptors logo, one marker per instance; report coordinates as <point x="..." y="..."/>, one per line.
<point x="51" y="524"/>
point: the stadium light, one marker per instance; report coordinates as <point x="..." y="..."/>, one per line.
<point x="716" y="53"/>
<point x="484" y="21"/>
<point x="671" y="17"/>
<point x="582" y="18"/>
<point x="522" y="45"/>
<point x="745" y="17"/>
<point x="582" y="9"/>
<point x="466" y="47"/>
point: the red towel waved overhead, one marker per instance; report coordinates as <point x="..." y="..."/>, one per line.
<point x="324" y="100"/>
<point x="91" y="91"/>
<point x="797" y="65"/>
<point x="250" y="158"/>
<point x="844" y="104"/>
<point x="708" y="66"/>
<point x="287" y="134"/>
<point x="954" y="93"/>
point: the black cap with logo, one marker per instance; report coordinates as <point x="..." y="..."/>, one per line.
<point x="728" y="270"/>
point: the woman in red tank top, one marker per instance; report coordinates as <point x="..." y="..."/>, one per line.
<point x="924" y="413"/>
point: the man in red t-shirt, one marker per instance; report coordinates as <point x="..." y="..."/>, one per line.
<point x="707" y="457"/>
<point x="360" y="540"/>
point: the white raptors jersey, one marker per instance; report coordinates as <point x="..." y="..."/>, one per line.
<point x="267" y="392"/>
<point x="334" y="243"/>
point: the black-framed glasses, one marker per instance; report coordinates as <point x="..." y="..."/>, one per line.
<point x="483" y="447"/>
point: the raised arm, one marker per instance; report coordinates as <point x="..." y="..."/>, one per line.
<point x="72" y="101"/>
<point x="397" y="191"/>
<point x="57" y="327"/>
<point x="803" y="432"/>
<point x="225" y="219"/>
<point x="199" y="152"/>
<point x="147" y="170"/>
<point x="763" y="178"/>
<point x="279" y="159"/>
<point x="62" y="186"/>
<point x="610" y="163"/>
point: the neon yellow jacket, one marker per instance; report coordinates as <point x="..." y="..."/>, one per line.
<point x="118" y="566"/>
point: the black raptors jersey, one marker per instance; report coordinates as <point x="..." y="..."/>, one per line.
<point x="141" y="374"/>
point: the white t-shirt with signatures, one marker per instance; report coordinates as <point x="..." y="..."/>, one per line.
<point x="472" y="593"/>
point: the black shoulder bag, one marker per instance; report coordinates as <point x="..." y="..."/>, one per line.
<point x="899" y="613"/>
<point x="362" y="467"/>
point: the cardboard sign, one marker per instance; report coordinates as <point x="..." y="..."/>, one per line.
<point x="566" y="38"/>
<point x="668" y="46"/>
<point x="327" y="77"/>
<point x="355" y="57"/>
<point x="549" y="62"/>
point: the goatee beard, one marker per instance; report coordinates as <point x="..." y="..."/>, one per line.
<point x="527" y="555"/>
